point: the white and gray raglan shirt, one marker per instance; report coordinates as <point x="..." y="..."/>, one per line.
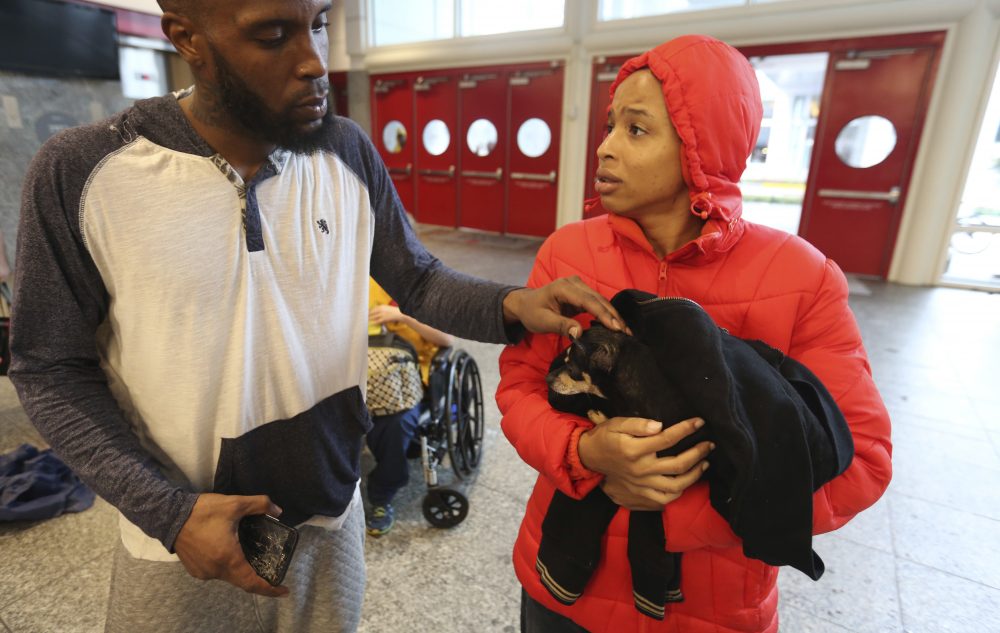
<point x="177" y="330"/>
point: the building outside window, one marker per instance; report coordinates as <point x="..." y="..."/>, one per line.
<point x="774" y="182"/>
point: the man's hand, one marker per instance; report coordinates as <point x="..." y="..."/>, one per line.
<point x="547" y="309"/>
<point x="624" y="450"/>
<point x="209" y="547"/>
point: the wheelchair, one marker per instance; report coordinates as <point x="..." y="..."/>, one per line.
<point x="450" y="428"/>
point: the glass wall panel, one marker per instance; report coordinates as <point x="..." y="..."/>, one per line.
<point x="974" y="247"/>
<point x="485" y="17"/>
<point x="405" y="21"/>
<point x="625" y="9"/>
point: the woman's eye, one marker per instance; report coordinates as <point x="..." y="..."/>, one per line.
<point x="636" y="130"/>
<point x="319" y="27"/>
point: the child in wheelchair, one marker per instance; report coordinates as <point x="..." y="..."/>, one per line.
<point x="394" y="397"/>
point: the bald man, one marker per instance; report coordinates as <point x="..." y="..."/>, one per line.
<point x="190" y="327"/>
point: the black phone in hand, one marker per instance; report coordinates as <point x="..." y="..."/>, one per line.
<point x="268" y="545"/>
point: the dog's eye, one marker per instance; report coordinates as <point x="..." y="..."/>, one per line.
<point x="575" y="372"/>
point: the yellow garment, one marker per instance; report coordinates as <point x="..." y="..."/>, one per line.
<point x="425" y="349"/>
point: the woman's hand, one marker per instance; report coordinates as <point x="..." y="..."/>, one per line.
<point x="624" y="451"/>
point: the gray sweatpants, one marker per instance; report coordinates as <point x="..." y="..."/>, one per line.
<point x="326" y="582"/>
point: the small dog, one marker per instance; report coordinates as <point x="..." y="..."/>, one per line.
<point x="605" y="374"/>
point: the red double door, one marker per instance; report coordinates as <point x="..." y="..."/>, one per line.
<point x="481" y="146"/>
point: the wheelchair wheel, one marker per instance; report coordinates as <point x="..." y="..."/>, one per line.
<point x="464" y="415"/>
<point x="445" y="508"/>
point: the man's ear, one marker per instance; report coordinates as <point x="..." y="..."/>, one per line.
<point x="180" y="31"/>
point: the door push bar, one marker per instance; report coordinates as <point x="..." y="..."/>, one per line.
<point x="549" y="177"/>
<point x="891" y="196"/>
<point x="449" y="173"/>
<point x="423" y="84"/>
<point x="404" y="171"/>
<point x="495" y="175"/>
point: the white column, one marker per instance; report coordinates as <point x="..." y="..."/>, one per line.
<point x="337" y="59"/>
<point x="576" y="114"/>
<point x="356" y="29"/>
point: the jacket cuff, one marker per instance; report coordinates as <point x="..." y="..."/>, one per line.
<point x="577" y="470"/>
<point x="513" y="332"/>
<point x="187" y="502"/>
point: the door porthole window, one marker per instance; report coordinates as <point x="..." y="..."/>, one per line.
<point x="534" y="137"/>
<point x="865" y="141"/>
<point x="482" y="137"/>
<point x="394" y="137"/>
<point x="436" y="137"/>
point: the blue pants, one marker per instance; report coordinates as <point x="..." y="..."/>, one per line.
<point x="388" y="439"/>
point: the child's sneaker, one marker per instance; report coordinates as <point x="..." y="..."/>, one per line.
<point x="381" y="520"/>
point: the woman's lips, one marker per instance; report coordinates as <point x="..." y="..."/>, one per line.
<point x="605" y="183"/>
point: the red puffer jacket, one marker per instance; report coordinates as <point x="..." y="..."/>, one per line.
<point x="769" y="286"/>
<point x="756" y="282"/>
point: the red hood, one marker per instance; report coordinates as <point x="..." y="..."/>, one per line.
<point x="713" y="100"/>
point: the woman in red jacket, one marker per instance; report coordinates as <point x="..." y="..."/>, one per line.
<point x="683" y="120"/>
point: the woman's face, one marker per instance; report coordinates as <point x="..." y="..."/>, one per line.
<point x="639" y="169"/>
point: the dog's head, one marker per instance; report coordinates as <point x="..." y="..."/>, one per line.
<point x="582" y="379"/>
<point x="605" y="374"/>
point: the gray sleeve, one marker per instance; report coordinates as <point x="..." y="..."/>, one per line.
<point x="420" y="283"/>
<point x="59" y="302"/>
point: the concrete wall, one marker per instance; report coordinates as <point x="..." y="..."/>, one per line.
<point x="31" y="110"/>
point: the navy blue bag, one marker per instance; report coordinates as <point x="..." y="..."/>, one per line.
<point x="36" y="485"/>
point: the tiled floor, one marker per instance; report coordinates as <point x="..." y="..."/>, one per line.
<point x="925" y="559"/>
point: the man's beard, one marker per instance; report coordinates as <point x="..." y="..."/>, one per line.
<point x="250" y="112"/>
